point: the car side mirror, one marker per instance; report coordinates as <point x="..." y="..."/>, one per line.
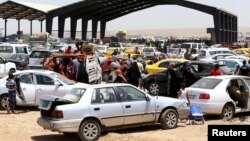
<point x="57" y="83"/>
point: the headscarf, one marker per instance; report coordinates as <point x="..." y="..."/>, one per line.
<point x="118" y="72"/>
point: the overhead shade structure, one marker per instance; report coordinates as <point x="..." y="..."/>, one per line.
<point x="24" y="10"/>
<point x="225" y="23"/>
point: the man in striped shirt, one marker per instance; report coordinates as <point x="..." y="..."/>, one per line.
<point x="11" y="85"/>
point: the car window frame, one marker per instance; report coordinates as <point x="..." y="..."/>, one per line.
<point x="35" y="76"/>
<point x="104" y="102"/>
<point x="117" y="88"/>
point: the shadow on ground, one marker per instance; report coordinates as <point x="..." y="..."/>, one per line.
<point x="59" y="137"/>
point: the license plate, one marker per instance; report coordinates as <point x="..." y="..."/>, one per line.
<point x="191" y="96"/>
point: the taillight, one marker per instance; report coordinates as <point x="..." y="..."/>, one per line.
<point x="204" y="96"/>
<point x="57" y="114"/>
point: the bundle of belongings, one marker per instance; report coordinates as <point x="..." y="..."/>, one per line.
<point x="89" y="49"/>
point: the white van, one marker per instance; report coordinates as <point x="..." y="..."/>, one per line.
<point x="196" y="46"/>
<point x="36" y="57"/>
<point x="207" y="53"/>
<point x="8" y="49"/>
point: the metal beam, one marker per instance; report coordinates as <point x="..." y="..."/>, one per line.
<point x="84" y="28"/>
<point x="103" y="29"/>
<point x="73" y="24"/>
<point x="49" y="22"/>
<point x="94" y="28"/>
<point x="61" y="24"/>
<point x="127" y="12"/>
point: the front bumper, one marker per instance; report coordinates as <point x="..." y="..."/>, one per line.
<point x="183" y="112"/>
<point x="60" y="126"/>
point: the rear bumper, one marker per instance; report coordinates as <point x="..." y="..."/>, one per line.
<point x="60" y="126"/>
<point x="210" y="108"/>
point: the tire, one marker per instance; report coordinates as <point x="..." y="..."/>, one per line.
<point x="4" y="102"/>
<point x="169" y="119"/>
<point x="154" y="88"/>
<point x="90" y="130"/>
<point x="227" y="112"/>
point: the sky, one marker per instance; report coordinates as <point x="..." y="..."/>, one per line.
<point x="158" y="17"/>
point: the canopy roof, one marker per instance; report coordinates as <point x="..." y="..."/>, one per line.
<point x="24" y="10"/>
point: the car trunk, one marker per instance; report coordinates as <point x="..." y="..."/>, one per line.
<point x="49" y="103"/>
<point x="197" y="94"/>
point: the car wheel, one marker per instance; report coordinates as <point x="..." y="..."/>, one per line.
<point x="227" y="112"/>
<point x="4" y="102"/>
<point x="169" y="119"/>
<point x="154" y="88"/>
<point x="90" y="130"/>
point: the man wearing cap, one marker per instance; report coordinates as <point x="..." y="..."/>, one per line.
<point x="11" y="85"/>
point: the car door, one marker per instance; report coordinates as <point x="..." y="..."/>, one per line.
<point x="106" y="106"/>
<point x="247" y="97"/>
<point x="245" y="92"/>
<point x="136" y="107"/>
<point x="26" y="89"/>
<point x="45" y="85"/>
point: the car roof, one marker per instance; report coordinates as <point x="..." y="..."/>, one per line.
<point x="227" y="76"/>
<point x="33" y="71"/>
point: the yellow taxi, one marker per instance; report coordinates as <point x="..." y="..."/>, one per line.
<point x="110" y="50"/>
<point x="242" y="51"/>
<point x="162" y="65"/>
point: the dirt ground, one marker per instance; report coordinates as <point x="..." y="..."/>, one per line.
<point x="23" y="127"/>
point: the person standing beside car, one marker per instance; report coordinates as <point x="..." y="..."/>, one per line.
<point x="216" y="71"/>
<point x="11" y="85"/>
<point x="244" y="69"/>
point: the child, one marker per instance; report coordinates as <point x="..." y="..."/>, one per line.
<point x="182" y="94"/>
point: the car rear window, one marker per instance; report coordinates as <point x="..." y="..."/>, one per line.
<point x="148" y="50"/>
<point x="39" y="54"/>
<point x="206" y="83"/>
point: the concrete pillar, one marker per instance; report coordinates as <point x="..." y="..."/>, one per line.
<point x="61" y="24"/>
<point x="41" y="26"/>
<point x="5" y="29"/>
<point x="84" y="28"/>
<point x="103" y="29"/>
<point x="73" y="23"/>
<point x="31" y="27"/>
<point x="94" y="28"/>
<point x="18" y="24"/>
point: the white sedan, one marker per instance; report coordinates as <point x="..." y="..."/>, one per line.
<point x="212" y="95"/>
<point x="92" y="109"/>
<point x="32" y="84"/>
<point x="6" y="67"/>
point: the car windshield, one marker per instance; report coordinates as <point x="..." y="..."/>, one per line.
<point x="19" y="57"/>
<point x="206" y="83"/>
<point x="148" y="50"/>
<point x="63" y="78"/>
<point x="75" y="94"/>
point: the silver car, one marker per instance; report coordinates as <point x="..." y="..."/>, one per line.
<point x="92" y="109"/>
<point x="34" y="83"/>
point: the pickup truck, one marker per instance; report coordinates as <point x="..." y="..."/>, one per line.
<point x="6" y="67"/>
